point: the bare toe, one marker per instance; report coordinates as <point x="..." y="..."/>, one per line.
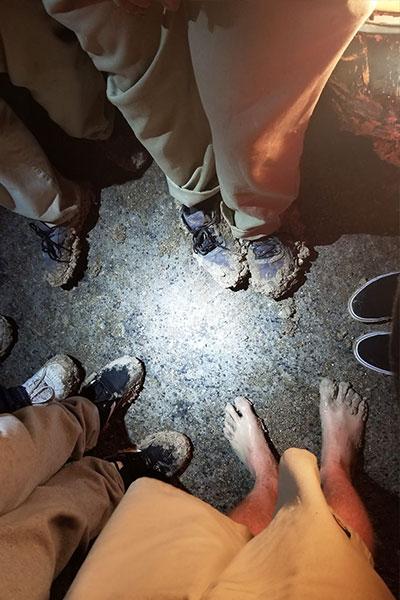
<point x="228" y="433"/>
<point x="343" y="388"/>
<point x="229" y="424"/>
<point x="327" y="390"/>
<point x="353" y="400"/>
<point x="229" y="418"/>
<point x="231" y="411"/>
<point x="243" y="405"/>
<point x="363" y="410"/>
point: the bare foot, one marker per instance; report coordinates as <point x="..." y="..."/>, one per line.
<point x="244" y="430"/>
<point x="343" y="416"/>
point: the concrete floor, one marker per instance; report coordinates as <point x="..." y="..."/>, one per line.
<point x="143" y="294"/>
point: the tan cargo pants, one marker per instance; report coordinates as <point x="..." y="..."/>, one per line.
<point x="62" y="79"/>
<point x="221" y="91"/>
<point x="49" y="509"/>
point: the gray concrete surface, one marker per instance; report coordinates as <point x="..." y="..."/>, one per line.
<point x="143" y="294"/>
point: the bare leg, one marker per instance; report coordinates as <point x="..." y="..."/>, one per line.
<point x="245" y="432"/>
<point x="343" y="416"/>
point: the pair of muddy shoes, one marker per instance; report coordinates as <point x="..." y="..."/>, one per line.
<point x="163" y="455"/>
<point x="375" y="302"/>
<point x="274" y="264"/>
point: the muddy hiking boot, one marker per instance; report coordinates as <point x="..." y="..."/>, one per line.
<point x="6" y="336"/>
<point x="63" y="245"/>
<point x="163" y="455"/>
<point x="216" y="251"/>
<point x="276" y="264"/>
<point x="114" y="387"/>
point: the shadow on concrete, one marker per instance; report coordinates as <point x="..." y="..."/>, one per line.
<point x="346" y="188"/>
<point x="383" y="509"/>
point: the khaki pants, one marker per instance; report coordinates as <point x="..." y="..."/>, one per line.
<point x="162" y="544"/>
<point x="221" y="91"/>
<point x="48" y="508"/>
<point x="62" y="79"/>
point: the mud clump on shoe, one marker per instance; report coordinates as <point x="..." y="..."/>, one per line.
<point x="277" y="265"/>
<point x="168" y="452"/>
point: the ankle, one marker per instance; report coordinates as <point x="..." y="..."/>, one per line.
<point x="266" y="478"/>
<point x="334" y="468"/>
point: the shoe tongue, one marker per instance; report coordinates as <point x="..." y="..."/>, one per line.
<point x="196" y="219"/>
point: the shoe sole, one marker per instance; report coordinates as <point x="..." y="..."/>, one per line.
<point x="364" y="362"/>
<point x="80" y="230"/>
<point x="368" y="320"/>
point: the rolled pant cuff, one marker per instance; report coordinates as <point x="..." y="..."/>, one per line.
<point x="190" y="198"/>
<point x="250" y="233"/>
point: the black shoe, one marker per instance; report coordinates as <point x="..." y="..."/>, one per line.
<point x="215" y="250"/>
<point x="162" y="455"/>
<point x="276" y="264"/>
<point x="372" y="350"/>
<point x="114" y="387"/>
<point x="373" y="302"/>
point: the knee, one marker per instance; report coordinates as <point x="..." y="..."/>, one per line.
<point x="298" y="457"/>
<point x="361" y="9"/>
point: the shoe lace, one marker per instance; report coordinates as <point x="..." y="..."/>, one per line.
<point x="204" y="238"/>
<point x="49" y="246"/>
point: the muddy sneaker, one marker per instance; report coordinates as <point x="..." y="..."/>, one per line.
<point x="218" y="253"/>
<point x="6" y="336"/>
<point x="56" y="380"/>
<point x="276" y="264"/>
<point x="62" y="245"/>
<point x="114" y="387"/>
<point x="162" y="455"/>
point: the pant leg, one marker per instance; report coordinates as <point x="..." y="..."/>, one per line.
<point x="12" y="399"/>
<point x="38" y="55"/>
<point x="29" y="185"/>
<point x="151" y="82"/>
<point x="38" y="538"/>
<point x="260" y="67"/>
<point x="35" y="442"/>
